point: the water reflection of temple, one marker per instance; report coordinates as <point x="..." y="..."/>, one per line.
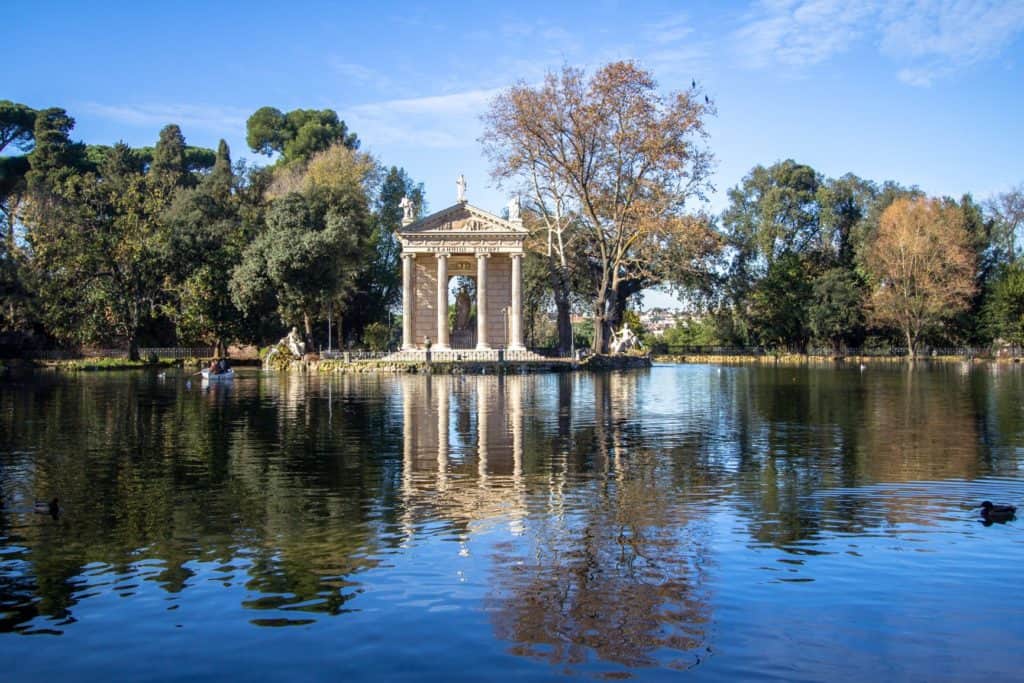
<point x="462" y="454"/>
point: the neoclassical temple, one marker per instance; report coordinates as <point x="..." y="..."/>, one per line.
<point x="462" y="240"/>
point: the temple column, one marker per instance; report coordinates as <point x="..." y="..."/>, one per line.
<point x="481" y="302"/>
<point x="516" y="342"/>
<point x="442" y="303"/>
<point x="408" y="261"/>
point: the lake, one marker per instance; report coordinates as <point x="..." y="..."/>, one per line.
<point x="709" y="523"/>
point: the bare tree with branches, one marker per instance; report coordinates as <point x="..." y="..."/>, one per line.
<point x="609" y="163"/>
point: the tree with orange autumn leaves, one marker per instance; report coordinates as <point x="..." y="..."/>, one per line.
<point x="922" y="265"/>
<point x="608" y="165"/>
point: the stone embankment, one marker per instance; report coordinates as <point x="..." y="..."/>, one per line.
<point x="469" y="367"/>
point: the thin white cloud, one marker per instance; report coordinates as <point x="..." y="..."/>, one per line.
<point x="669" y="30"/>
<point x="364" y="75"/>
<point x="455" y="103"/>
<point x="939" y="38"/>
<point x="929" y="39"/>
<point x="204" y="117"/>
<point x="800" y="33"/>
<point x="436" y="121"/>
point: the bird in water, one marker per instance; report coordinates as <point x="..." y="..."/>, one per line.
<point x="997" y="513"/>
<point x="51" y="508"/>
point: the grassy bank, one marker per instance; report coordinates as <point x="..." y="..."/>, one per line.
<point x="94" y="364"/>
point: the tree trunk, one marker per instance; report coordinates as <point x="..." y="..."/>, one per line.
<point x="307" y="324"/>
<point x="911" y="343"/>
<point x="618" y="312"/>
<point x="600" y="343"/>
<point x="563" y="320"/>
<point x="133" y="347"/>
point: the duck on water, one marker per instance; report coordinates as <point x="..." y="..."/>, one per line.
<point x="997" y="513"/>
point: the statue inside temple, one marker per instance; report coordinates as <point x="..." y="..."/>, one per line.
<point x="463" y="304"/>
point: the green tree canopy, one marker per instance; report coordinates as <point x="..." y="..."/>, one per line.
<point x="207" y="237"/>
<point x="297" y="135"/>
<point x="99" y="253"/>
<point x="17" y="124"/>
<point x="315" y="241"/>
<point x="1004" y="308"/>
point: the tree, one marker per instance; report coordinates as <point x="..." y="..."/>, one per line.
<point x="624" y="158"/>
<point x="774" y="216"/>
<point x="922" y="266"/>
<point x="1004" y="307"/>
<point x="549" y="212"/>
<point x="779" y="303"/>
<point x="314" y="242"/>
<point x="773" y="212"/>
<point x="205" y="245"/>
<point x="99" y="252"/>
<point x="297" y="135"/>
<point x="844" y="203"/>
<point x="17" y="122"/>
<point x="836" y="309"/>
<point x="378" y="287"/>
<point x="168" y="165"/>
<point x="54" y="157"/>
<point x="1007" y="211"/>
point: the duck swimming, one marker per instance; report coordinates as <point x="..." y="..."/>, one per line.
<point x="997" y="513"/>
<point x="52" y="508"/>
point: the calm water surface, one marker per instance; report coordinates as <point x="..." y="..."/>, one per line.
<point x="712" y="523"/>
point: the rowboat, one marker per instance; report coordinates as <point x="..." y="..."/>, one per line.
<point x="221" y="377"/>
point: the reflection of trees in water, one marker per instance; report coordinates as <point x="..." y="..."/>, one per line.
<point x="806" y="431"/>
<point x="620" y="580"/>
<point x="146" y="472"/>
<point x="290" y="484"/>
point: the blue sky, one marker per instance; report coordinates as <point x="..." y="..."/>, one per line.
<point x="924" y="92"/>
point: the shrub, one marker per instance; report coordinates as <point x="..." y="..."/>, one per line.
<point x="376" y="336"/>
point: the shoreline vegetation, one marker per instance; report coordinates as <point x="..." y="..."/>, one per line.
<point x="591" y="363"/>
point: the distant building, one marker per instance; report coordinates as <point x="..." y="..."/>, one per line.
<point x="657" y="320"/>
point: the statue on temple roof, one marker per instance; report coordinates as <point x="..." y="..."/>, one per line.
<point x="460" y="184"/>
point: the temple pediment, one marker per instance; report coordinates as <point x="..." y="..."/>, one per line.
<point x="462" y="219"/>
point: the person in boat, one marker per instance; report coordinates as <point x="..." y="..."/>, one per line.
<point x="214" y="368"/>
<point x="223" y="366"/>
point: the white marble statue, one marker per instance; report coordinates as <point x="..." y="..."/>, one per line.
<point x="623" y="340"/>
<point x="295" y="343"/>
<point x="514" y="210"/>
<point x="461" y="185"/>
<point x="462" y="309"/>
<point x="407" y="210"/>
